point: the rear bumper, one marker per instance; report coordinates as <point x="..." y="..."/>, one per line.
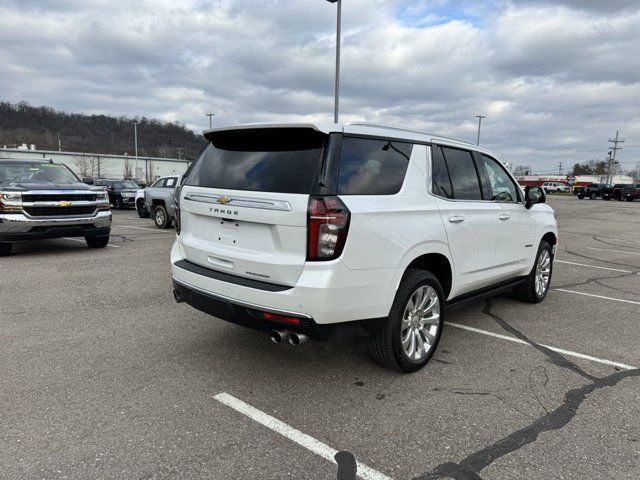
<point x="18" y="227"/>
<point x="326" y="292"/>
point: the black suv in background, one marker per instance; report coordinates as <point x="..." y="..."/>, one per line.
<point x="593" y="191"/>
<point x="122" y="193"/>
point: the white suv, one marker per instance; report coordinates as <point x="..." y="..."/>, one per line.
<point x="297" y="229"/>
<point x="555" y="187"/>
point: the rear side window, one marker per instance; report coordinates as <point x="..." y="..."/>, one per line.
<point x="463" y="174"/>
<point x="282" y="160"/>
<point x="372" y="166"/>
<point x="441" y="181"/>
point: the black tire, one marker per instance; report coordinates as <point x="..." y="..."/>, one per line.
<point x="142" y="209"/>
<point x="580" y="197"/>
<point x="161" y="217"/>
<point x="97" y="242"/>
<point x="593" y="195"/>
<point x="630" y="199"/>
<point x="385" y="342"/>
<point x="527" y="291"/>
<point x="5" y="249"/>
<point x="118" y="205"/>
<point x="606" y="198"/>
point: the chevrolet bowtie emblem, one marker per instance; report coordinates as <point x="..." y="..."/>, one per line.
<point x="63" y="204"/>
<point x="224" y="200"/>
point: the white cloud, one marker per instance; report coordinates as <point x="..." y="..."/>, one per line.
<point x="547" y="74"/>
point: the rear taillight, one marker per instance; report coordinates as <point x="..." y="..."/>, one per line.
<point x="176" y="201"/>
<point x="327" y="227"/>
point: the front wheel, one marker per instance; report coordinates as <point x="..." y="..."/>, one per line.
<point x="160" y="217"/>
<point x="630" y="199"/>
<point x="536" y="286"/>
<point x="5" y="249"/>
<point x="97" y="242"/>
<point x="408" y="338"/>
<point x="142" y="209"/>
<point x="580" y="197"/>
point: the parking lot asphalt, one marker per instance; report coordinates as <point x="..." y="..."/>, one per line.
<point x="103" y="375"/>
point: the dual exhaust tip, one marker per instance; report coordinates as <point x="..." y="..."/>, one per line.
<point x="294" y="338"/>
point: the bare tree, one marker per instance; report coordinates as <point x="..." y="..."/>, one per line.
<point x="86" y="165"/>
<point x="521" y="170"/>
<point x="127" y="169"/>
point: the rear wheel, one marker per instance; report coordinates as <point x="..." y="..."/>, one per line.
<point x="408" y="338"/>
<point x="580" y="197"/>
<point x="97" y="242"/>
<point x="535" y="288"/>
<point x="160" y="217"/>
<point x="118" y="204"/>
<point x="630" y="199"/>
<point x="5" y="249"/>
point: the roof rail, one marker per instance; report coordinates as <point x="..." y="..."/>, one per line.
<point x="378" y="125"/>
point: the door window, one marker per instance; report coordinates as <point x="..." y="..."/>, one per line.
<point x="171" y="182"/>
<point x="463" y="174"/>
<point x="502" y="187"/>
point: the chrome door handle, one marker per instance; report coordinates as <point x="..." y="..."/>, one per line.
<point x="504" y="217"/>
<point x="456" y="219"/>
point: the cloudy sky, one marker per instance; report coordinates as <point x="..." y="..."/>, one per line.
<point x="554" y="78"/>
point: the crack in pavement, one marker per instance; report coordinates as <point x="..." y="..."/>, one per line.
<point x="633" y="267"/>
<point x="470" y="467"/>
<point x="555" y="357"/>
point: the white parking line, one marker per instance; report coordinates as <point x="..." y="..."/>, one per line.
<point x="612" y="251"/>
<point x="144" y="228"/>
<point x="598" y="296"/>
<point x="593" y="266"/>
<point x="83" y="241"/>
<point x="296" y="436"/>
<point x="555" y="349"/>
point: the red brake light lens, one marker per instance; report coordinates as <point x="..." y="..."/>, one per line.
<point x="327" y="228"/>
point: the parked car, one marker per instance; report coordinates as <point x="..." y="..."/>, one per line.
<point x="159" y="202"/>
<point x="555" y="187"/>
<point x="122" y="193"/>
<point x="622" y="191"/>
<point x="594" y="190"/>
<point x="303" y="229"/>
<point x="41" y="199"/>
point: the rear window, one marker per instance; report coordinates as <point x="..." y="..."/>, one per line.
<point x="372" y="167"/>
<point x="282" y="160"/>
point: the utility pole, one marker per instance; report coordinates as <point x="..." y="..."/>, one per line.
<point x="338" y="42"/>
<point x="479" y="117"/>
<point x="559" y="168"/>
<point x="210" y="115"/>
<point x="614" y="149"/>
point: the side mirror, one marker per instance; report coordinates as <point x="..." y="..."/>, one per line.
<point x="533" y="195"/>
<point x="87" y="180"/>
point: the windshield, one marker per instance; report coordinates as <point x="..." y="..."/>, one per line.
<point x="25" y="172"/>
<point x="127" y="184"/>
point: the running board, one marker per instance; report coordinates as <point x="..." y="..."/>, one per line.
<point x="486" y="292"/>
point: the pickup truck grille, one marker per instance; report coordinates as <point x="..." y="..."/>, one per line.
<point x="59" y="211"/>
<point x="63" y="197"/>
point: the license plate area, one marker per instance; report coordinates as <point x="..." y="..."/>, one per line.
<point x="228" y="232"/>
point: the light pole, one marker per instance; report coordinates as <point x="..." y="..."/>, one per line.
<point x="210" y="115"/>
<point x="338" y="41"/>
<point x="479" y="117"/>
<point x="135" y="136"/>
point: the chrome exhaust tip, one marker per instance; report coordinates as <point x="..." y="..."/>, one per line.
<point x="278" y="336"/>
<point x="297" y="338"/>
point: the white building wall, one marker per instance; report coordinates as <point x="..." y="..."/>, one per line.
<point x="105" y="166"/>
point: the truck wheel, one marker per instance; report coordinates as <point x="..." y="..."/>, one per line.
<point x="535" y="288"/>
<point x="5" y="249"/>
<point x="408" y="338"/>
<point x="161" y="218"/>
<point x="97" y="242"/>
<point x="142" y="209"/>
<point x="118" y="204"/>
<point x="580" y="197"/>
<point x="630" y="199"/>
<point x="593" y="196"/>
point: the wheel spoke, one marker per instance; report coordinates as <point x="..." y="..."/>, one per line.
<point x="432" y="320"/>
<point x="420" y="350"/>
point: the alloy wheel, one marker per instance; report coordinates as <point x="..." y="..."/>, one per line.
<point x="543" y="273"/>
<point x="420" y="323"/>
